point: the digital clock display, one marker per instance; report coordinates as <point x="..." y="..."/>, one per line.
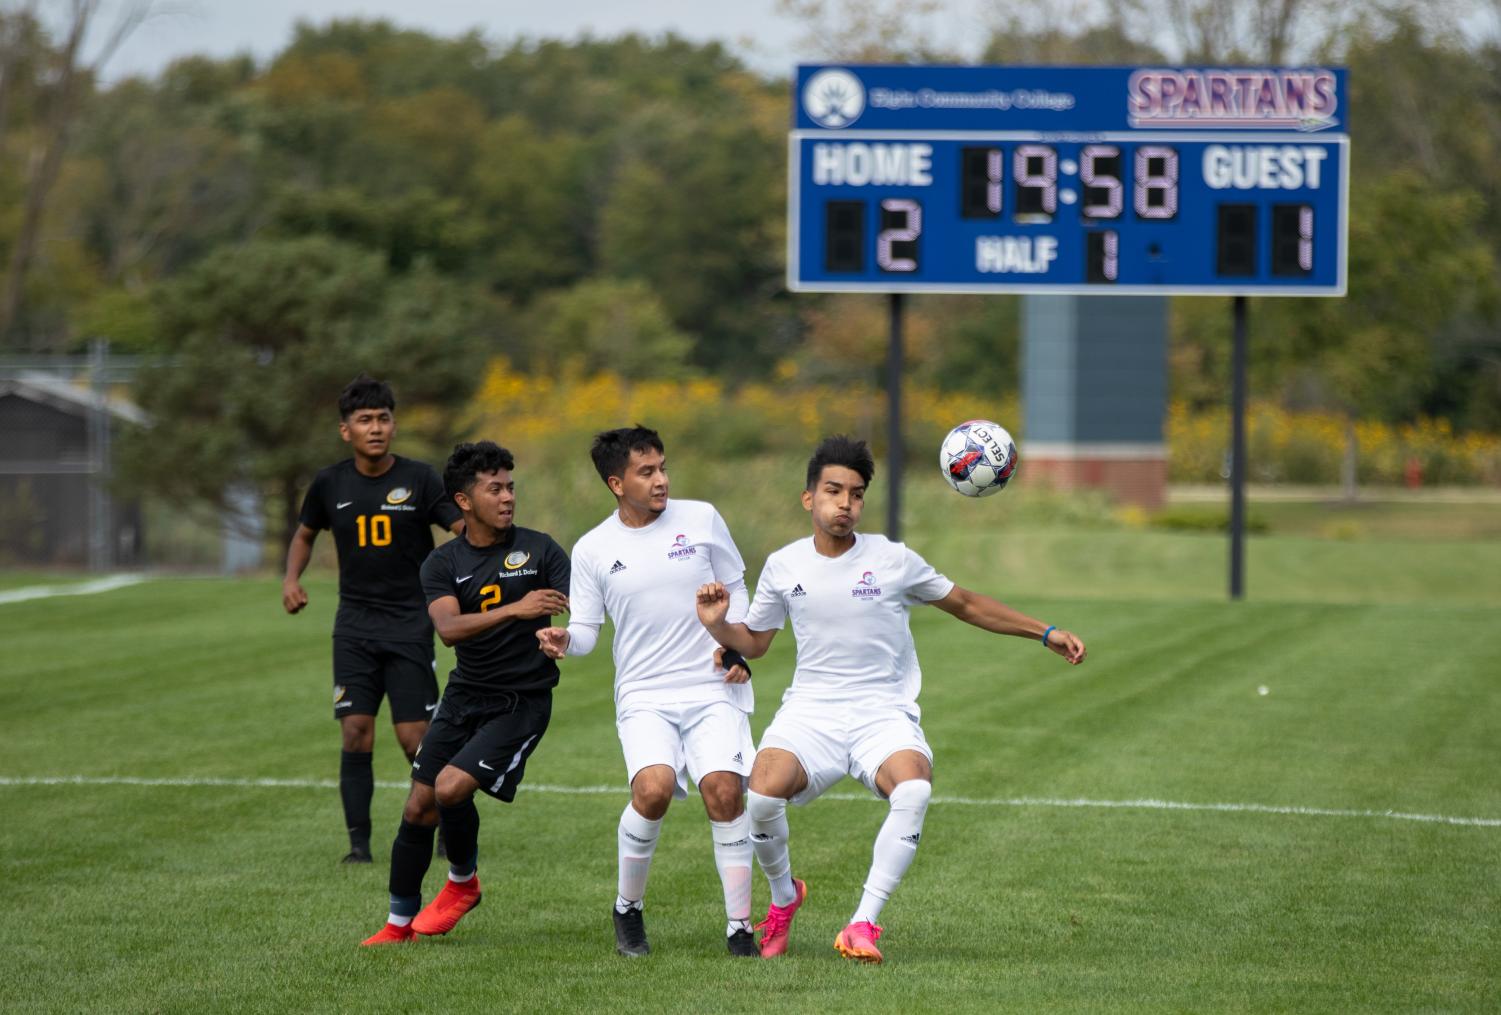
<point x="977" y="179"/>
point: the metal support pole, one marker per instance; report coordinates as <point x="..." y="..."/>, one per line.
<point x="1238" y="452"/>
<point x="894" y="443"/>
<point x="101" y="529"/>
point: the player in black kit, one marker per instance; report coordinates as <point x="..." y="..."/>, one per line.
<point x="488" y="593"/>
<point x="381" y="509"/>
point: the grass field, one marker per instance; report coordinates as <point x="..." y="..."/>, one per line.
<point x="1053" y="873"/>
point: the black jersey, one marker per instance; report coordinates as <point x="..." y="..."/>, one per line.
<point x="382" y="526"/>
<point x="507" y="657"/>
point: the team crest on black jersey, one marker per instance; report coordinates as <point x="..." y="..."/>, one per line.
<point x="516" y="558"/>
<point x="400" y="495"/>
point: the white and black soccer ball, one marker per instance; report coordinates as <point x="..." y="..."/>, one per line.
<point x="978" y="458"/>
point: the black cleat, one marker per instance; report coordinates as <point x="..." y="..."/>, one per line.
<point x="742" y="944"/>
<point x="358" y="854"/>
<point x="630" y="932"/>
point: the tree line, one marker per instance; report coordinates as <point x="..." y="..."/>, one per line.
<point x="381" y="198"/>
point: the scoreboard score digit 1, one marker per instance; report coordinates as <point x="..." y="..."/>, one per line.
<point x="1194" y="180"/>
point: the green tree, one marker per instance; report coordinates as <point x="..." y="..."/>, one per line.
<point x="1414" y="267"/>
<point x="607" y="325"/>
<point x="259" y="341"/>
<point x="64" y="77"/>
<point x="532" y="206"/>
<point x="695" y="209"/>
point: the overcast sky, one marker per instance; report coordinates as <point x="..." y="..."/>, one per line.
<point x="751" y="28"/>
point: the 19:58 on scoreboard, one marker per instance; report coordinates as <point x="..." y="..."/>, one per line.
<point x="1069" y="179"/>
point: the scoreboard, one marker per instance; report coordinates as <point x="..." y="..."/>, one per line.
<point x="1196" y="180"/>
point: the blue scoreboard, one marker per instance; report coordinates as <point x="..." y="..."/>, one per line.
<point x="1199" y="180"/>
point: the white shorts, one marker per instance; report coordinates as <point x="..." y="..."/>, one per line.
<point x="832" y="741"/>
<point x="693" y="740"/>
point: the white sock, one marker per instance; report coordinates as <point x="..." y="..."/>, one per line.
<point x="896" y="845"/>
<point x="768" y="825"/>
<point x="637" y="841"/>
<point x="399" y="921"/>
<point x="459" y="879"/>
<point x="732" y="855"/>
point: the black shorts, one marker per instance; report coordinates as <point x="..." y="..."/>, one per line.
<point x="486" y="734"/>
<point x="367" y="670"/>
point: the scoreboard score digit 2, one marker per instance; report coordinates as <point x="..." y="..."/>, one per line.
<point x="1197" y="180"/>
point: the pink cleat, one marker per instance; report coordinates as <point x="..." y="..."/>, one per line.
<point x="858" y="942"/>
<point x="443" y="913"/>
<point x="778" y="922"/>
<point x="391" y="934"/>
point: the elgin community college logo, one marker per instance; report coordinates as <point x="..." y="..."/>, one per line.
<point x="866" y="587"/>
<point x="400" y="495"/>
<point x="516" y="558"/>
<point x="681" y="548"/>
<point x="834" y="98"/>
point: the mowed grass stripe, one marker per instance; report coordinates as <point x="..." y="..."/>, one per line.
<point x="191" y="898"/>
<point x="29" y="593"/>
<point x="240" y="908"/>
<point x="1150" y="805"/>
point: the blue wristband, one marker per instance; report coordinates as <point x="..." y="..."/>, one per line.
<point x="1045" y="634"/>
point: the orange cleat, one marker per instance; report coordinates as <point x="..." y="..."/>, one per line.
<point x="778" y="923"/>
<point x="390" y="934"/>
<point x="444" y="913"/>
<point x="858" y="942"/>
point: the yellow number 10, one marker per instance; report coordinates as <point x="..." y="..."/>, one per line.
<point x="379" y="529"/>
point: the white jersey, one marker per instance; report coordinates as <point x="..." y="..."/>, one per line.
<point x="850" y="616"/>
<point x="646" y="581"/>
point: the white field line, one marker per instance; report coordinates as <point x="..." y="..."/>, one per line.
<point x="30" y="592"/>
<point x="1139" y="805"/>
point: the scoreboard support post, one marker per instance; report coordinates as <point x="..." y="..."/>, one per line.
<point x="1238" y="450"/>
<point x="895" y="444"/>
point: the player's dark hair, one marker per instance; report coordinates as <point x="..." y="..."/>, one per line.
<point x="612" y="449"/>
<point x="841" y="450"/>
<point x="365" y="392"/>
<point x="469" y="460"/>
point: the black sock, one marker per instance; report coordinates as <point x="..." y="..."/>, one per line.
<point x="461" y="833"/>
<point x="411" y="855"/>
<point x="356" y="787"/>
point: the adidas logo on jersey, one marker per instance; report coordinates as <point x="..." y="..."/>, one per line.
<point x="737" y="759"/>
<point x="797" y="590"/>
<point x="619" y="567"/>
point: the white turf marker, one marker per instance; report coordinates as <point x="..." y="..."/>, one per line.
<point x="1141" y="805"/>
<point x="30" y="592"/>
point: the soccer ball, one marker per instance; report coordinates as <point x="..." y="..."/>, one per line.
<point x="978" y="458"/>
